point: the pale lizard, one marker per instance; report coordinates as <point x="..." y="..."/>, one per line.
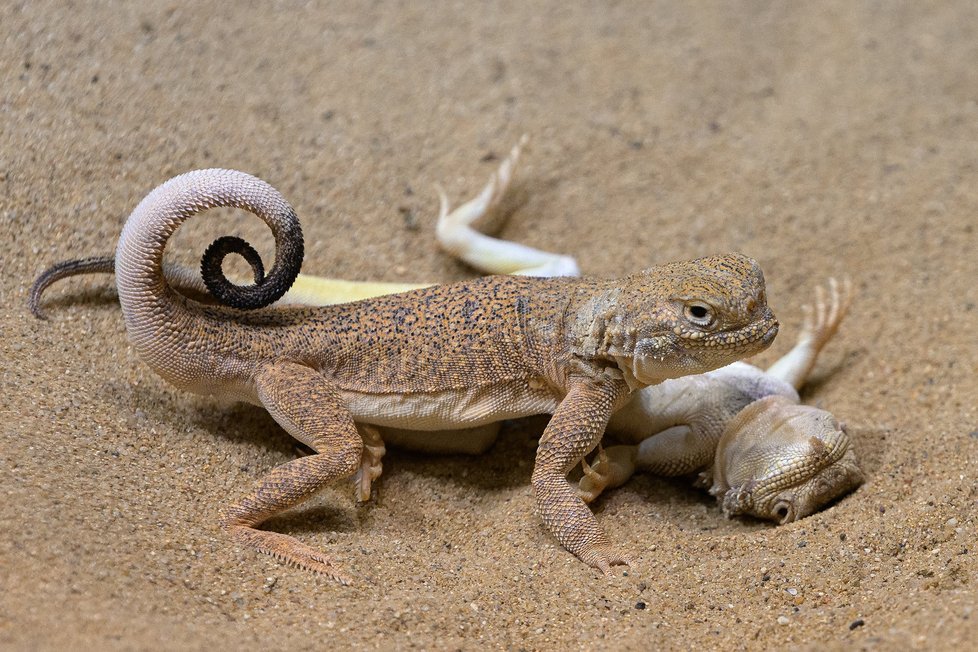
<point x="806" y="461"/>
<point x="443" y="357"/>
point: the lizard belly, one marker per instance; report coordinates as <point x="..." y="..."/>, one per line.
<point x="452" y="408"/>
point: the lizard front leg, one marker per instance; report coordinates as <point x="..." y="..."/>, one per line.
<point x="309" y="408"/>
<point x="575" y="429"/>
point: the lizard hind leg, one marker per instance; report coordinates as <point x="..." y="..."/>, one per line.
<point x="309" y="408"/>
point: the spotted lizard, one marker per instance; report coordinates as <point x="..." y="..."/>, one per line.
<point x="442" y="357"/>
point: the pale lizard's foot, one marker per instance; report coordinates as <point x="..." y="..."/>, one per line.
<point x="595" y="478"/>
<point x="371" y="466"/>
<point x="612" y="467"/>
<point x="822" y="321"/>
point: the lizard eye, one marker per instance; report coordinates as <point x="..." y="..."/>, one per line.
<point x="784" y="511"/>
<point x="699" y="313"/>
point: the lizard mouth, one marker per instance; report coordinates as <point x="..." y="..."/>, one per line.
<point x="747" y="340"/>
<point x="764" y="333"/>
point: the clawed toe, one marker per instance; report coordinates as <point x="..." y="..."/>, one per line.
<point x="595" y="478"/>
<point x="288" y="550"/>
<point x="605" y="557"/>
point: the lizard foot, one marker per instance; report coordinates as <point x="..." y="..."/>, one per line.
<point x="822" y="320"/>
<point x="371" y="466"/>
<point x="288" y="550"/>
<point x="595" y="478"/>
<point x="611" y="468"/>
<point x="603" y="557"/>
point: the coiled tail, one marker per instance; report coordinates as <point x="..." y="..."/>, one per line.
<point x="153" y="312"/>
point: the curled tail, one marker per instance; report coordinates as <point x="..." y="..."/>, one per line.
<point x="139" y="256"/>
<point x="186" y="280"/>
<point x="151" y="307"/>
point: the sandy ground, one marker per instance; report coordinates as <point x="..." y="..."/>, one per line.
<point x="835" y="139"/>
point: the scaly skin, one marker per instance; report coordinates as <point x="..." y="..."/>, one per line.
<point x="757" y="450"/>
<point x="442" y="357"/>
<point x="675" y="428"/>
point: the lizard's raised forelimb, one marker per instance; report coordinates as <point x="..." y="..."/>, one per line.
<point x="820" y="325"/>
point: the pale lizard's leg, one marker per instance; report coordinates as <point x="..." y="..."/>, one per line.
<point x="679" y="450"/>
<point x="457" y="232"/>
<point x="819" y="326"/>
<point x="574" y="430"/>
<point x="309" y="408"/>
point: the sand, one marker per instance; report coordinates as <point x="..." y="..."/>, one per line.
<point x="832" y="139"/>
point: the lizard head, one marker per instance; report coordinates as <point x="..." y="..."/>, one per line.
<point x="781" y="461"/>
<point x="680" y="318"/>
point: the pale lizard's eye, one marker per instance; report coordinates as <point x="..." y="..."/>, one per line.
<point x="699" y="313"/>
<point x="784" y="511"/>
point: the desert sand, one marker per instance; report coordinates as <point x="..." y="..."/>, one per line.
<point x="831" y="138"/>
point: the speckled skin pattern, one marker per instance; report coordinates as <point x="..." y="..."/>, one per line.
<point x="674" y="428"/>
<point x="441" y="357"/>
<point x="742" y="429"/>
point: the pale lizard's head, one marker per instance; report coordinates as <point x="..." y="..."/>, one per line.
<point x="781" y="461"/>
<point x="680" y="318"/>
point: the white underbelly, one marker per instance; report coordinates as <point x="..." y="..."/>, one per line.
<point x="461" y="408"/>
